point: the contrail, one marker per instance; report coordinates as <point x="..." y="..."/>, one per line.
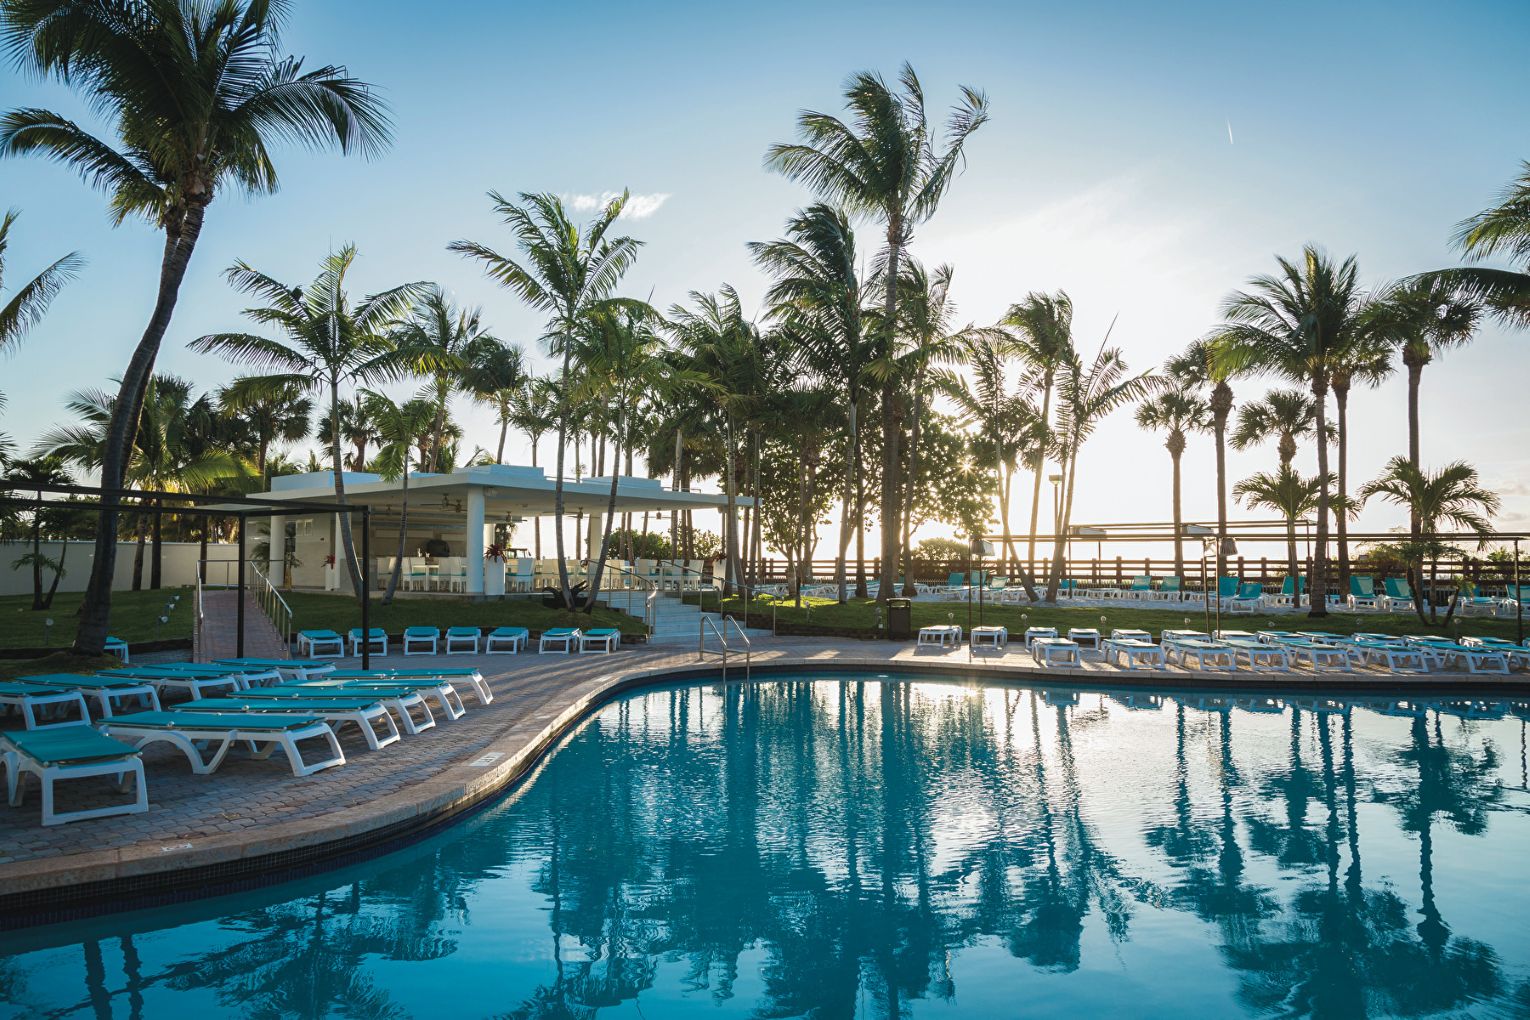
<point x="1229" y="134"/>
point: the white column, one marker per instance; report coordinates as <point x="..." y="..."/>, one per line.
<point x="276" y="567"/>
<point x="473" y="547"/>
<point x="592" y="538"/>
<point x="332" y="581"/>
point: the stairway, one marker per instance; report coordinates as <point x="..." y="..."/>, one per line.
<point x="675" y="622"/>
<point x="218" y="637"/>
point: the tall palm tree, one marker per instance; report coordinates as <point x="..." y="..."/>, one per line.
<point x="567" y="273"/>
<point x="1087" y="395"/>
<point x="496" y="379"/>
<point x="330" y="342"/>
<point x="1503" y="229"/>
<point x="1197" y="368"/>
<point x="399" y="428"/>
<point x="266" y="415"/>
<point x="29" y="304"/>
<point x="1042" y="325"/>
<point x="724" y="359"/>
<point x="623" y="356"/>
<point x="1295" y="323"/>
<point x="816" y="299"/>
<point x="533" y="412"/>
<point x="1287" y="416"/>
<point x="1174" y="411"/>
<point x="926" y="313"/>
<point x="1366" y="361"/>
<point x="445" y="344"/>
<point x="1452" y="496"/>
<point x="884" y="164"/>
<point x="1288" y="494"/>
<point x="198" y="94"/>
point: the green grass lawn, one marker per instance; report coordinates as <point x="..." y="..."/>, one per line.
<point x="135" y="618"/>
<point x="861" y="615"/>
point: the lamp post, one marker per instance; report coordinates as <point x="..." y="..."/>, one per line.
<point x="1056" y="481"/>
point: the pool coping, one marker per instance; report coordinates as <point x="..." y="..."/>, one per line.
<point x="48" y="890"/>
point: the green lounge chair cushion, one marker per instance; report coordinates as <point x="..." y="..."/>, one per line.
<point x="559" y="632"/>
<point x="462" y="632"/>
<point x="318" y="634"/>
<point x="63" y="745"/>
<point x="1227" y="587"/>
<point x="374" y="634"/>
<point x="508" y="631"/>
<point x="315" y="704"/>
<point x="83" y="683"/>
<point x="16" y="688"/>
<point x="422" y="632"/>
<point x="208" y="721"/>
<point x="273" y="663"/>
<point x="1398" y="588"/>
<point x="601" y="632"/>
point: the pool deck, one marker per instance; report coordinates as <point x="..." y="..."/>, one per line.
<point x="253" y="819"/>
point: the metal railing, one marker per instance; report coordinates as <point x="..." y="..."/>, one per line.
<point x="196" y="636"/>
<point x="274" y="606"/>
<point x="748" y="593"/>
<point x="645" y="585"/>
<point x="723" y="649"/>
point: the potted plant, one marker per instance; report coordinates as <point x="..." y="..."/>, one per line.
<point x="494" y="569"/>
<point x="331" y="575"/>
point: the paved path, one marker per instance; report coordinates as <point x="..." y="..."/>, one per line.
<point x="250" y="808"/>
<point x="220" y="628"/>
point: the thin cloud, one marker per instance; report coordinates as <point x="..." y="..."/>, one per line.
<point x="638" y="207"/>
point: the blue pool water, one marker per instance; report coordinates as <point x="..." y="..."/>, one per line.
<point x="875" y="848"/>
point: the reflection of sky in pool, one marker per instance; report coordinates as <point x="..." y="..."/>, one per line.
<point x="890" y="848"/>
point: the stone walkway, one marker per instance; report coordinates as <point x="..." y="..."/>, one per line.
<point x="220" y="628"/>
<point x="251" y="808"/>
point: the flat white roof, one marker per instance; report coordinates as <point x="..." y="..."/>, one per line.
<point x="506" y="488"/>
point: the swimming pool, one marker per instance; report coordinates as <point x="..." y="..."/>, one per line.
<point x="870" y="847"/>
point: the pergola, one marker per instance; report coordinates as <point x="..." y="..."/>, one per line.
<point x="462" y="505"/>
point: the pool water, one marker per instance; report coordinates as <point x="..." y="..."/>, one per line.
<point x="870" y="847"/>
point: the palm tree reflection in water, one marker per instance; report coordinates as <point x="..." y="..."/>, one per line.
<point x="877" y="849"/>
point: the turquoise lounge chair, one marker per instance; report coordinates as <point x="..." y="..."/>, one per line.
<point x="1473" y="602"/>
<point x="369" y="715"/>
<point x="457" y="637"/>
<point x="314" y="643"/>
<point x="1250" y="597"/>
<point x="1227" y="588"/>
<point x="1170" y="588"/>
<point x="566" y="637"/>
<point x="70" y="752"/>
<point x="516" y="637"/>
<point x="422" y="636"/>
<point x="1141" y="587"/>
<point x="600" y="639"/>
<point x="1288" y="592"/>
<point x="376" y="637"/>
<point x="29" y="698"/>
<point x="1362" y="593"/>
<point x="186" y="730"/>
<point x="1399" y="595"/>
<point x="105" y="689"/>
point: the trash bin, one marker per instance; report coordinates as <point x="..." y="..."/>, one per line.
<point x="900" y="619"/>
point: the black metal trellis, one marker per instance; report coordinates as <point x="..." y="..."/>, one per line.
<point x="26" y="495"/>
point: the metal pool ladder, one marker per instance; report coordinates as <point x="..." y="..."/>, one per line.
<point x="723" y="649"/>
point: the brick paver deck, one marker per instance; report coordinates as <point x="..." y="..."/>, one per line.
<point x="220" y="628"/>
<point x="250" y="808"/>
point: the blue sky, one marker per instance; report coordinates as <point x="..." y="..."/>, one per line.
<point x="1147" y="158"/>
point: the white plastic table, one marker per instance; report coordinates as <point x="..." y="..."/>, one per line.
<point x="998" y="637"/>
<point x="942" y="635"/>
<point x="1129" y="653"/>
<point x="1047" y="651"/>
<point x="1032" y="633"/>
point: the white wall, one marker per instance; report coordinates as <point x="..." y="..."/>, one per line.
<point x="178" y="563"/>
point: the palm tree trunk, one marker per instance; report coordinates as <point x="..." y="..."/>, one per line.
<point x="912" y="482"/>
<point x="504" y="428"/>
<point x="852" y="485"/>
<point x="403" y="537"/>
<point x="1221" y="397"/>
<point x="605" y="536"/>
<point x="156" y="550"/>
<point x="58" y="572"/>
<point x="563" y="588"/>
<point x="1292" y="568"/>
<point x="892" y="425"/>
<point x="1415" y="377"/>
<point x="1317" y="587"/>
<point x="347" y="545"/>
<point x="730" y="531"/>
<point x="140" y="532"/>
<point x="37" y="558"/>
<point x="96" y="608"/>
<point x="439" y="426"/>
<point x="1041" y="463"/>
<point x="1341" y="517"/>
<point x="536" y="522"/>
<point x="1179" y="538"/>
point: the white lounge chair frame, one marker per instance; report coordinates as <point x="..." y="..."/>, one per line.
<point x="606" y="643"/>
<point x="1129" y="653"/>
<point x="519" y="641"/>
<point x="996" y="638"/>
<point x="472" y="640"/>
<point x="366" y="718"/>
<point x="1208" y="655"/>
<point x="186" y="738"/>
<point x="1045" y="651"/>
<point x="942" y="635"/>
<point x="29" y="703"/>
<point x="568" y="640"/>
<point x="410" y="640"/>
<point x="309" y="644"/>
<point x="358" y="638"/>
<point x="18" y="765"/>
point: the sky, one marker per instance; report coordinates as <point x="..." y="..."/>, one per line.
<point x="1146" y="158"/>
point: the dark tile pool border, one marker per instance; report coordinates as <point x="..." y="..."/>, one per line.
<point x="75" y="891"/>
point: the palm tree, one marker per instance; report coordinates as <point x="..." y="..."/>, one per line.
<point x="816" y="298"/>
<point x="1366" y="361"/>
<point x="399" y="427"/>
<point x="497" y="378"/>
<point x="1086" y="397"/>
<point x="1296" y="324"/>
<point x="1286" y="416"/>
<point x="30" y="303"/>
<point x="925" y="314"/>
<point x="1451" y="496"/>
<point x="167" y="456"/>
<point x="724" y="361"/>
<point x="1042" y="325"/>
<point x="266" y="415"/>
<point x="1288" y="494"/>
<point x="1174" y="411"/>
<point x="883" y="164"/>
<point x="1503" y="229"/>
<point x="447" y="345"/>
<point x="623" y="357"/>
<point x="198" y="95"/>
<point x="330" y="342"/>
<point x="567" y="273"/>
<point x="1197" y="368"/>
<point x="533" y="410"/>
